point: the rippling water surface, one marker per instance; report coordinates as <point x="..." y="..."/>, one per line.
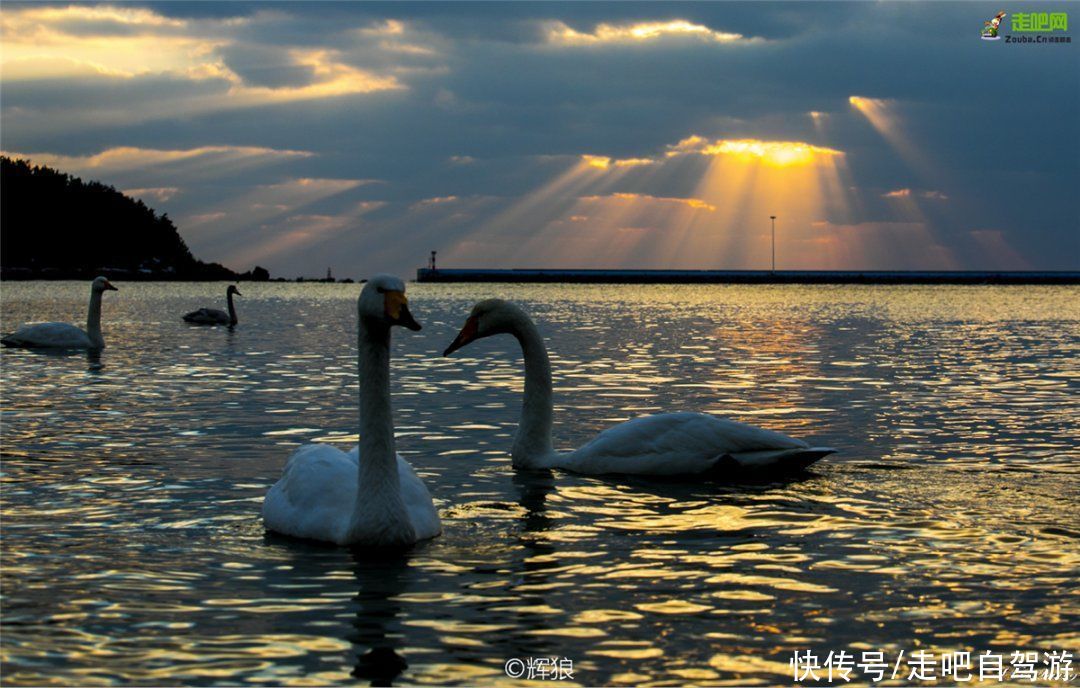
<point x="133" y="550"/>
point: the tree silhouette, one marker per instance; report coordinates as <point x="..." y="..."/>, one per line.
<point x="55" y="225"/>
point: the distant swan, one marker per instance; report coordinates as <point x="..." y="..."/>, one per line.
<point x="55" y="335"/>
<point x="212" y="316"/>
<point x="370" y="496"/>
<point x="662" y="444"/>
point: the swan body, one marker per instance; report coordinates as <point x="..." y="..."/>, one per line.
<point x="213" y="316"/>
<point x="685" y="443"/>
<point x="665" y="444"/>
<point x="369" y="496"/>
<point x="55" y="335"/>
<point x="319" y="486"/>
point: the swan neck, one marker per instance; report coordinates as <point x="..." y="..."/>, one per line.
<point x="93" y="319"/>
<point x="232" y="309"/>
<point x="532" y="445"/>
<point x="377" y="450"/>
<point x="379" y="516"/>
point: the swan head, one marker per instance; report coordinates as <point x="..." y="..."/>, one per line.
<point x="383" y="300"/>
<point x="233" y="290"/>
<point x="101" y="284"/>
<point x="487" y="318"/>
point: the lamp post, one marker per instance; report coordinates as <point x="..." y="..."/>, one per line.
<point x="773" y="218"/>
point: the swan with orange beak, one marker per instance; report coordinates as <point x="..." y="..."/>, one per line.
<point x="665" y="444"/>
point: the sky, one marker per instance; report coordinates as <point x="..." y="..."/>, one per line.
<point x="360" y="136"/>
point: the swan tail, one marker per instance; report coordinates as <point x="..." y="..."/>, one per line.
<point x="773" y="460"/>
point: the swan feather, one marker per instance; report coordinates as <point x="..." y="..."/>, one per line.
<point x="680" y="443"/>
<point x="50" y="334"/>
<point x="316" y="495"/>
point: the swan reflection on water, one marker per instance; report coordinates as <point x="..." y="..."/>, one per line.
<point x="380" y="582"/>
<point x="93" y="356"/>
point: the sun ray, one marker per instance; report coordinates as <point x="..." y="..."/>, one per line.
<point x="605" y="212"/>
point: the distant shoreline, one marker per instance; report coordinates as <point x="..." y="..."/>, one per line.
<point x="57" y="275"/>
<point x="747" y="276"/>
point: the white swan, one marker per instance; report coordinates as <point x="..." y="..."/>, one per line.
<point x="663" y="444"/>
<point x="370" y="496"/>
<point x="213" y="316"/>
<point x="55" y="335"/>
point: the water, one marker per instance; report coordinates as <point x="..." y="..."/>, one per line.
<point x="133" y="551"/>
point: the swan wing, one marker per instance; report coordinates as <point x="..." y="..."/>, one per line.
<point x="684" y="443"/>
<point x="418" y="503"/>
<point x="52" y="335"/>
<point x="315" y="495"/>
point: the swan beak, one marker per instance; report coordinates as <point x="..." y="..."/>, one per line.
<point x="405" y="319"/>
<point x="396" y="307"/>
<point x="110" y="287"/>
<point x="237" y="292"/>
<point x="467" y="334"/>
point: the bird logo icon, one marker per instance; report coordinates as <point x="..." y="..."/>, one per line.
<point x="990" y="28"/>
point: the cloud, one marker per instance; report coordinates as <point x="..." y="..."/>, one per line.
<point x="603" y="162"/>
<point x="303" y="233"/>
<point x="267" y="220"/>
<point x="677" y="29"/>
<point x="142" y="46"/>
<point x="695" y="203"/>
<point x="778" y="153"/>
<point x="126" y="41"/>
<point x="204" y="173"/>
<point x="434" y="201"/>
<point x="495" y="105"/>
<point x="130" y="157"/>
<point x="774" y="153"/>
<point x="908" y="193"/>
<point x="160" y="193"/>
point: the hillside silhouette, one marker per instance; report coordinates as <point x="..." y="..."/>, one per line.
<point x="56" y="226"/>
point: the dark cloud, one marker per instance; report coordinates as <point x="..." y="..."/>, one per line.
<point x="262" y="65"/>
<point x="992" y="126"/>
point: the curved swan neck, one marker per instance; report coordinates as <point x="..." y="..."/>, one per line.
<point x="93" y="319"/>
<point x="232" y="309"/>
<point x="379" y="516"/>
<point x="532" y="445"/>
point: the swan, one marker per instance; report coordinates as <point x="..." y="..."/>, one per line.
<point x="212" y="316"/>
<point x="55" y="335"/>
<point x="369" y="496"/>
<point x="665" y="444"/>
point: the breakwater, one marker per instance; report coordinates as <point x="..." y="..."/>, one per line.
<point x="745" y="276"/>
